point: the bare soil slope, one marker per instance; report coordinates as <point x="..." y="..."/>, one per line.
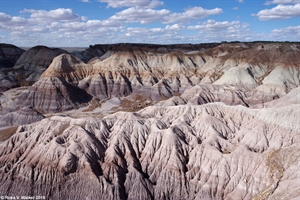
<point x="138" y="121"/>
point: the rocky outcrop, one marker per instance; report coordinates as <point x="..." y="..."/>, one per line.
<point x="210" y="151"/>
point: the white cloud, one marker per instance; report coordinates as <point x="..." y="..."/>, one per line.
<point x="63" y="27"/>
<point x="4" y="17"/>
<point x="8" y="22"/>
<point x="291" y="33"/>
<point x="241" y="1"/>
<point x="52" y="22"/>
<point x="62" y="14"/>
<point x="279" y="12"/>
<point x="86" y="26"/>
<point x="235" y="8"/>
<point x="85" y="1"/>
<point x="225" y="30"/>
<point x="169" y="34"/>
<point x="156" y="30"/>
<point x="282" y="2"/>
<point x="130" y="3"/>
<point x="155" y="3"/>
<point x="140" y="15"/>
<point x="18" y="21"/>
<point x="174" y="27"/>
<point x="144" y="16"/>
<point x="212" y="25"/>
<point x="84" y="18"/>
<point x="191" y="13"/>
<point x="290" y="29"/>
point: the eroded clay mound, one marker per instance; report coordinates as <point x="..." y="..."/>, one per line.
<point x="271" y="71"/>
<point x="20" y="117"/>
<point x="211" y="151"/>
<point x="33" y="63"/>
<point x="235" y="74"/>
<point x="9" y="54"/>
<point x="7" y="82"/>
<point x="217" y="123"/>
<point x="68" y="67"/>
<point x="51" y="94"/>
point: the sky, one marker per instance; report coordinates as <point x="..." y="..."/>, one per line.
<point x="80" y="23"/>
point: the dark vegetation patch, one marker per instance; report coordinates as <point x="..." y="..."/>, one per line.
<point x="95" y="103"/>
<point x="135" y="105"/>
<point x="7" y="133"/>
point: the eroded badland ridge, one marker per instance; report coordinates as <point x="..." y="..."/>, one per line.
<point x="144" y="121"/>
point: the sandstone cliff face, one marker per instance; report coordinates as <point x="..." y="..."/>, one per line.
<point x="215" y="123"/>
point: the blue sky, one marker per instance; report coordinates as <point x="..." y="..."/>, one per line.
<point x="79" y="23"/>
